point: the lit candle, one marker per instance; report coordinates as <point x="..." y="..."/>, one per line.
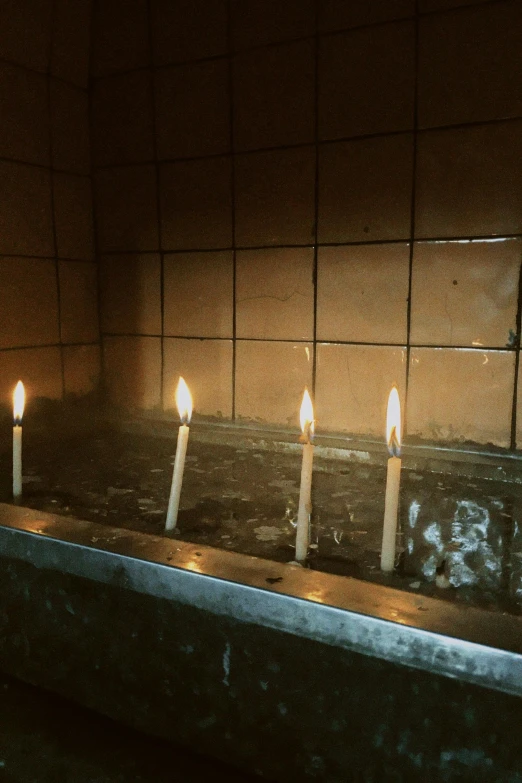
<point x="184" y="403"/>
<point x="18" y="412"/>
<point x="305" y="493"/>
<point x="393" y="480"/>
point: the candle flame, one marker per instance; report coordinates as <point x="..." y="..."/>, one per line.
<point x="184" y="401"/>
<point x="306" y="416"/>
<point x="393" y="423"/>
<point x="18" y="403"/>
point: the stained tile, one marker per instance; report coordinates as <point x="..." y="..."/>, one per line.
<point x="130" y="288"/>
<point x="185" y="30"/>
<point x="120" y="36"/>
<point x="71" y="41"/>
<point x="198" y="294"/>
<point x="196" y="204"/>
<point x="206" y="366"/>
<point x="367" y="81"/>
<point x="122" y="121"/>
<point x="70" y="128"/>
<point x="270" y="380"/>
<point x="26" y="32"/>
<point x="340" y="15"/>
<point x="24" y="128"/>
<point x="40" y="369"/>
<point x="470" y="65"/>
<point x="362" y="293"/>
<point x="132" y="372"/>
<point x="28" y="285"/>
<point x="126" y="209"/>
<point x="461" y="395"/>
<point x="193" y="109"/>
<point x="81" y="366"/>
<point x="275" y="197"/>
<point x="78" y="302"/>
<point x="365" y="189"/>
<point x="469" y="181"/>
<point x="73" y="216"/>
<point x="257" y="22"/>
<point x="465" y="293"/>
<point x="25" y="210"/>
<point x="274" y="96"/>
<point x="352" y="387"/>
<point x="275" y="294"/>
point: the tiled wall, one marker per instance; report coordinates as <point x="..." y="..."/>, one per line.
<point x="49" y="334"/>
<point x="325" y="193"/>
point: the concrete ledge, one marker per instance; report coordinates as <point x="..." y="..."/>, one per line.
<point x="473" y="461"/>
<point x="238" y="656"/>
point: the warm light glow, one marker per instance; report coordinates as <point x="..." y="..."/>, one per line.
<point x="194" y="565"/>
<point x="306" y="415"/>
<point x="184" y="401"/>
<point x="18" y="402"/>
<point x="393" y="423"/>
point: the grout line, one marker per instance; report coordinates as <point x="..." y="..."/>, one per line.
<point x="402" y="345"/>
<point x="157" y="66"/>
<point x="45" y="166"/>
<point x="461" y="8"/>
<point x="99" y="296"/>
<point x="464" y="125"/>
<point x="233" y="206"/>
<point x="316" y="194"/>
<point x="513" y="442"/>
<point x="45" y="73"/>
<point x="298" y="39"/>
<point x="3" y="256"/>
<point x="53" y="210"/>
<point x="78" y="174"/>
<point x="28" y="68"/>
<point x="412" y="215"/>
<point x="43" y="346"/>
<point x="241" y="248"/>
<point x="158" y="201"/>
<point x="302" y="145"/>
<point x="166" y="336"/>
<point x="68" y="83"/>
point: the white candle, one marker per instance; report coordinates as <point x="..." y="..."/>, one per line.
<point x="305" y="493"/>
<point x="184" y="403"/>
<point x="18" y="412"/>
<point x="393" y="480"/>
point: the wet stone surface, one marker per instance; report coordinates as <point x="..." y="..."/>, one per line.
<point x="458" y="539"/>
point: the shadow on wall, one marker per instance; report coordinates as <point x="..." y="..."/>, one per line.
<point x="130" y="299"/>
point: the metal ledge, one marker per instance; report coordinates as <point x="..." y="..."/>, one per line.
<point x="471" y="645"/>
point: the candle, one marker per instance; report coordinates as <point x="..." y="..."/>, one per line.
<point x="184" y="403"/>
<point x="18" y="412"/>
<point x="305" y="492"/>
<point x="393" y="480"/>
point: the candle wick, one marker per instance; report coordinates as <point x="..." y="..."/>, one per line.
<point x="308" y="434"/>
<point x="394" y="446"/>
